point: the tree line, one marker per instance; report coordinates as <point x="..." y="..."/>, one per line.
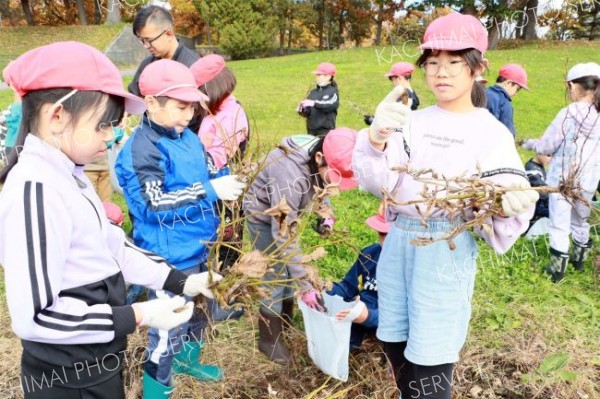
<point x="250" y="28"/>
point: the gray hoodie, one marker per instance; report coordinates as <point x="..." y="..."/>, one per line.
<point x="286" y="173"/>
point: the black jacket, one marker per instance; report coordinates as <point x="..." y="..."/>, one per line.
<point x="320" y="119"/>
<point x="183" y="55"/>
<point x="537" y="178"/>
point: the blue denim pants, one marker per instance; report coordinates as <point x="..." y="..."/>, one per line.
<point x="425" y="291"/>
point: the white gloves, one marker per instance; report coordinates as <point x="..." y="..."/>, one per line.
<point x="529" y="144"/>
<point x="160" y="313"/>
<point x="516" y="202"/>
<point x="197" y="284"/>
<point x="390" y="115"/>
<point x="228" y="188"/>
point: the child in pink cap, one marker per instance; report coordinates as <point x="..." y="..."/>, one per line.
<point x="511" y="79"/>
<point x="65" y="266"/>
<point x="225" y="129"/>
<point x="425" y="292"/>
<point x="401" y="74"/>
<point x="361" y="281"/>
<point x="171" y="190"/>
<point x="573" y="139"/>
<point x="292" y="171"/>
<point x="321" y="105"/>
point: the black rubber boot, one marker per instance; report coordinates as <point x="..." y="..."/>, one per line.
<point x="580" y="254"/>
<point x="271" y="340"/>
<point x="287" y="312"/>
<point x="558" y="265"/>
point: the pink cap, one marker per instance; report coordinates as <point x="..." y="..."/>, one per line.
<point x="400" y="69"/>
<point x="325" y="68"/>
<point x="454" y="32"/>
<point x="337" y="149"/>
<point x="514" y="73"/>
<point x="206" y="68"/>
<point x="113" y="212"/>
<point x="170" y="79"/>
<point x="378" y="223"/>
<point x="72" y="65"/>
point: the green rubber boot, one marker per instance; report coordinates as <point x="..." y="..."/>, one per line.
<point x="154" y="389"/>
<point x="187" y="362"/>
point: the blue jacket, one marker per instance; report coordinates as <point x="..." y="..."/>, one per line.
<point x="361" y="280"/>
<point x="165" y="180"/>
<point x="499" y="104"/>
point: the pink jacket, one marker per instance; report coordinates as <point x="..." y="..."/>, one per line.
<point x="452" y="144"/>
<point x="223" y="132"/>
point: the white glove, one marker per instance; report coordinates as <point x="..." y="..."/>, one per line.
<point x="160" y="313"/>
<point x="228" y="188"/>
<point x="308" y="103"/>
<point x="516" y="202"/>
<point x="390" y="115"/>
<point x="529" y="144"/>
<point x="197" y="284"/>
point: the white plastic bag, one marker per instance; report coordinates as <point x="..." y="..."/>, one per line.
<point x="329" y="339"/>
<point x="113" y="152"/>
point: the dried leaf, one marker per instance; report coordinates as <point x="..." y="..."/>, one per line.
<point x="329" y="190"/>
<point x="312" y="275"/>
<point x="315" y="255"/>
<point x="279" y="212"/>
<point x="253" y="264"/>
<point x="325" y="211"/>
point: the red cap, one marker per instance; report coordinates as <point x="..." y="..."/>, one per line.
<point x="337" y="149"/>
<point x="454" y="32"/>
<point x="206" y="68"/>
<point x="113" y="212"/>
<point x="171" y="79"/>
<point x="378" y="223"/>
<point x="325" y="68"/>
<point x="400" y="69"/>
<point x="514" y="73"/>
<point x="72" y="65"/>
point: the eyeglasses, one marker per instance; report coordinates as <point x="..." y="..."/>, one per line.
<point x="149" y="42"/>
<point x="452" y="68"/>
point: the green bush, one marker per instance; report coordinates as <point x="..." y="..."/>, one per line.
<point x="247" y="38"/>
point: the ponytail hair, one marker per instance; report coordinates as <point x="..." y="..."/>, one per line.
<point x="474" y="59"/>
<point x="590" y="83"/>
<point x="312" y="162"/>
<point x="76" y="106"/>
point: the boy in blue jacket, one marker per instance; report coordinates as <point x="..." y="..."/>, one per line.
<point x="361" y="281"/>
<point x="171" y="191"/>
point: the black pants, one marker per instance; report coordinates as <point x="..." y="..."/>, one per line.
<point x="110" y="389"/>
<point x="415" y="381"/>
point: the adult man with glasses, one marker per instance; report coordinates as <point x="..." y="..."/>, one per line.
<point x="155" y="29"/>
<point x="511" y="79"/>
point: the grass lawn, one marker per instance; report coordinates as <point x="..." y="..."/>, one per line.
<point x="528" y="338"/>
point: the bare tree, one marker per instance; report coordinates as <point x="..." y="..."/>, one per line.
<point x="27" y="11"/>
<point x="113" y="15"/>
<point x="530" y="32"/>
<point x="81" y="11"/>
